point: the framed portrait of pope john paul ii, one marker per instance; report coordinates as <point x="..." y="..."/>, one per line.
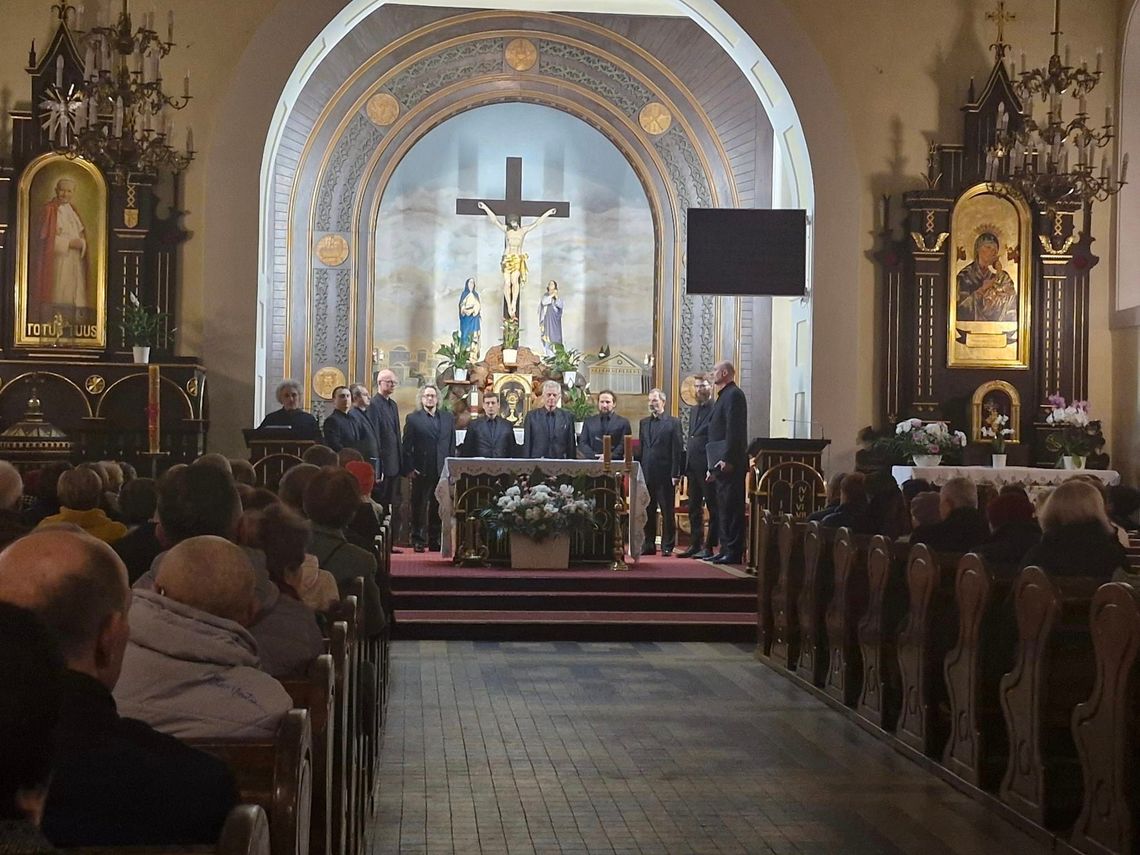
<point x="61" y="255"/>
<point x="989" y="281"/>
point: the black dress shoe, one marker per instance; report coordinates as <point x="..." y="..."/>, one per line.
<point x="691" y="552"/>
<point x="702" y="555"/>
<point x="666" y="552"/>
<point x="724" y="559"/>
<point x="418" y="548"/>
<point x="648" y="550"/>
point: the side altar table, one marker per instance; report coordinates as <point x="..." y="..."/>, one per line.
<point x="1034" y="480"/>
<point x="467" y="484"/>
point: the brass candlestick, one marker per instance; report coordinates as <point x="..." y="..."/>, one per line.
<point x="620" y="506"/>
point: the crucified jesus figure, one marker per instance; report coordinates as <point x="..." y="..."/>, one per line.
<point x="513" y="264"/>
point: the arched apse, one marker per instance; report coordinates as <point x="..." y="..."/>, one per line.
<point x="779" y="60"/>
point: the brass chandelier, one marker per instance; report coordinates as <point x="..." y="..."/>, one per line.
<point x="1054" y="161"/>
<point x="118" y="117"/>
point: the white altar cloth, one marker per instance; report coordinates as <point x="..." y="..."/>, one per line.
<point x="1034" y="480"/>
<point x="454" y="467"/>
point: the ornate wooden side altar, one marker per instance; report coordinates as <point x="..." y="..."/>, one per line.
<point x="468" y="484"/>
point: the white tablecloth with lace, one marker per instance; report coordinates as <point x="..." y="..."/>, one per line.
<point x="455" y="467"/>
<point x="1034" y="480"/>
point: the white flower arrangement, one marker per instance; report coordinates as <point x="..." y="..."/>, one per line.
<point x="539" y="510"/>
<point x="913" y="436"/>
<point x="995" y="431"/>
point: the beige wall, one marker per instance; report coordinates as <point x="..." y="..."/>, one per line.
<point x="874" y="82"/>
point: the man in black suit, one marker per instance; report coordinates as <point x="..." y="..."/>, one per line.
<point x="384" y="416"/>
<point x="429" y="439"/>
<point x="490" y="436"/>
<point x="367" y="443"/>
<point x="605" y="422"/>
<point x="340" y="429"/>
<point x="659" y="438"/>
<point x="727" y="456"/>
<point x="701" y="494"/>
<point x="549" y="430"/>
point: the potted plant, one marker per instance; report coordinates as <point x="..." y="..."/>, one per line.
<point x="539" y="518"/>
<point x="456" y="356"/>
<point x="563" y="361"/>
<point x="510" y="341"/>
<point x="995" y="431"/>
<point x="578" y="404"/>
<point x="140" y="326"/>
<point x="1077" y="435"/>
<point x="925" y="443"/>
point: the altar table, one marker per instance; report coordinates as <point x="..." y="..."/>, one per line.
<point x="1034" y="480"/>
<point x="457" y="468"/>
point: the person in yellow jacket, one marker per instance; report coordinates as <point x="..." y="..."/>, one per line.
<point x="80" y="491"/>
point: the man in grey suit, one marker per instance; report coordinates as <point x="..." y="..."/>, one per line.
<point x="549" y="430"/>
<point x="660" y="449"/>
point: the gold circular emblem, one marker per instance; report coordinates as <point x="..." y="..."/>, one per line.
<point x="192" y="387"/>
<point x="655" y="118"/>
<point x="689" y="390"/>
<point x="327" y="379"/>
<point x="332" y="250"/>
<point x="382" y="109"/>
<point x="95" y="384"/>
<point x="521" y="54"/>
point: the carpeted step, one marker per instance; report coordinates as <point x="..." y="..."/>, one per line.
<point x="574" y="600"/>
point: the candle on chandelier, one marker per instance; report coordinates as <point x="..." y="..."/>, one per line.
<point x="1099" y="55"/>
<point x="186" y="84"/>
<point x="117" y="120"/>
<point x="59" y="72"/>
<point x="189" y="140"/>
<point x="1104" y="166"/>
<point x="153" y="404"/>
<point x="1108" y="116"/>
<point x="1123" y="167"/>
<point x="170" y="27"/>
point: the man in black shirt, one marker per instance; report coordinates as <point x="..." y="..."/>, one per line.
<point x="429" y="439"/>
<point x="384" y="416"/>
<point x="340" y="429"/>
<point x="701" y="494"/>
<point x="605" y="422"/>
<point x="491" y="435"/>
<point x="549" y="430"/>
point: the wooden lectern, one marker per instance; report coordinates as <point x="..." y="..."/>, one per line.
<point x="788" y="475"/>
<point x="272" y="451"/>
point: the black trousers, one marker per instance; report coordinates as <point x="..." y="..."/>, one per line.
<point x="701" y="496"/>
<point x="426" y="524"/>
<point x="661" y="495"/>
<point x="730" y="510"/>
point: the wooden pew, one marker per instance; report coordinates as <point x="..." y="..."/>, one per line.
<point x="354" y="731"/>
<point x="878" y="632"/>
<point x="844" y="612"/>
<point x="767" y="558"/>
<point x="815" y="595"/>
<point x="786" y="592"/>
<point x="978" y="745"/>
<point x="371" y="710"/>
<point x="925" y="636"/>
<point x="317" y="694"/>
<point x="1105" y="727"/>
<point x="343" y="689"/>
<point x="245" y="832"/>
<point x="1052" y="673"/>
<point x="277" y="775"/>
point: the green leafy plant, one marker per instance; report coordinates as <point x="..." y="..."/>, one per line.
<point x="561" y="359"/>
<point x="511" y="334"/>
<point x="140" y="324"/>
<point x="455" y="355"/>
<point x="578" y="404"/>
<point x="540" y="510"/>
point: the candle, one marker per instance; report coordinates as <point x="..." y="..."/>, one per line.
<point x="117" y="121"/>
<point x="153" y="403"/>
<point x="170" y="26"/>
<point x="1099" y="54"/>
<point x="186" y="84"/>
<point x="59" y="72"/>
<point x="189" y="140"/>
<point x="628" y="448"/>
<point x="1123" y="167"/>
<point x="607" y="451"/>
<point x="1108" y="116"/>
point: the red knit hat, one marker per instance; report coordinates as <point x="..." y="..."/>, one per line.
<point x="1008" y="508"/>
<point x="363" y="474"/>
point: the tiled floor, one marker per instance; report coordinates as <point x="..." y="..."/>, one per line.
<point x="657" y="748"/>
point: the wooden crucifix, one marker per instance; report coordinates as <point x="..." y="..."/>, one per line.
<point x="512" y="208"/>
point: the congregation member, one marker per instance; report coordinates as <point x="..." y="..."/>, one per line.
<point x="218" y="461"/>
<point x="46" y="492"/>
<point x="429" y="439"/>
<point x="365" y="526"/>
<point x="117" y="781"/>
<point x="384" y="416"/>
<point x="12" y="523"/>
<point x="961" y="526"/>
<point x="290" y="417"/>
<point x="138" y="506"/>
<point x="348" y="455"/>
<point x="1013" y="530"/>
<point x="243" y="471"/>
<point x="1077" y="538"/>
<point x="852" y="511"/>
<point x="1122" y="503"/>
<point x="604" y="422"/>
<point x="80" y="493"/>
<point x="660" y="452"/>
<point x="293" y="484"/>
<point x="549" y="430"/>
<point x="923" y="511"/>
<point x="340" y="428"/>
<point x="320" y="455"/>
<point x="191" y="668"/>
<point x="702" y="495"/>
<point x="834" y="485"/>
<point x="31" y="671"/>
<point x="727" y="456"/>
<point x="886" y="506"/>
<point x="491" y="435"/>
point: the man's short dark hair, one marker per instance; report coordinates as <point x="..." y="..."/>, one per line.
<point x="609" y="392"/>
<point x="198" y="500"/>
<point x="338" y="388"/>
<point x="346" y="455"/>
<point x="49" y="480"/>
<point x="320" y="455"/>
<point x="138" y="500"/>
<point x="243" y="471"/>
<point x="332" y="498"/>
<point x="80" y="489"/>
<point x="31" y="672"/>
<point x="488" y="395"/>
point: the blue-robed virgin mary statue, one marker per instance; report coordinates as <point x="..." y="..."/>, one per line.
<point x="470" y="311"/>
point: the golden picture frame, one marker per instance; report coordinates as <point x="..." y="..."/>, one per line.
<point x="61" y="255"/>
<point x="990" y="280"/>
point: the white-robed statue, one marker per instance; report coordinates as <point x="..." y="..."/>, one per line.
<point x="550" y="318"/>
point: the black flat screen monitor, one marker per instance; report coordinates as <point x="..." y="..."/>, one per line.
<point x="747" y="251"/>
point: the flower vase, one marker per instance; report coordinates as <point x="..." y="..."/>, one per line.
<point x="1073" y="461"/>
<point x="460" y="374"/>
<point x="553" y="553"/>
<point x="569" y="378"/>
<point x="510" y="356"/>
<point x="141" y="354"/>
<point x="924" y="461"/>
<point x="997" y="461"/>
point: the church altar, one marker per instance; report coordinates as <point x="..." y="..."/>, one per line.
<point x="1033" y="479"/>
<point x="460" y="470"/>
